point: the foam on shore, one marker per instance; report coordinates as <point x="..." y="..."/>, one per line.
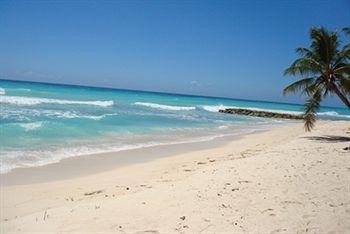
<point x="165" y="107"/>
<point x="30" y="101"/>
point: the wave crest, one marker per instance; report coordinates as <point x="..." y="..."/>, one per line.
<point x="31" y="126"/>
<point x="333" y="114"/>
<point x="69" y="115"/>
<point x="30" y="101"/>
<point x="2" y="91"/>
<point x="222" y="107"/>
<point x="215" y="108"/>
<point x="165" y="107"/>
<point x="21" y="114"/>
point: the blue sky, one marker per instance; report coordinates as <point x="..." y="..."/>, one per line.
<point x="231" y="48"/>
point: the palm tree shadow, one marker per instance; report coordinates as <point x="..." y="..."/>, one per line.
<point x="329" y="139"/>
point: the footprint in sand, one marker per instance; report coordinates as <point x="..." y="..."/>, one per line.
<point x="266" y="210"/>
<point x="279" y="230"/>
<point x="147" y="231"/>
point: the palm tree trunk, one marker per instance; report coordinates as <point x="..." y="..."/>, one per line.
<point x="341" y="96"/>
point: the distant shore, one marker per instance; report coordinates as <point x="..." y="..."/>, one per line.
<point x="281" y="180"/>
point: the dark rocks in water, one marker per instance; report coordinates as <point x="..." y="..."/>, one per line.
<point x="264" y="114"/>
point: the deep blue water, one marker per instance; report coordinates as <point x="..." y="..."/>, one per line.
<point x="44" y="123"/>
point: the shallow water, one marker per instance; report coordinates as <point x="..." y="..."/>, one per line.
<point x="44" y="123"/>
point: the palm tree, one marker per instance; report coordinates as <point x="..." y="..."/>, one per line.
<point x="325" y="70"/>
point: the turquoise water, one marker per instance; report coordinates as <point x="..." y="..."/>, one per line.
<point x="44" y="123"/>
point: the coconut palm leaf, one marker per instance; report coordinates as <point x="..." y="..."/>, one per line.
<point x="311" y="107"/>
<point x="300" y="85"/>
<point x="346" y="31"/>
<point x="345" y="69"/>
<point x="327" y="67"/>
<point x="303" y="66"/>
<point x="344" y="85"/>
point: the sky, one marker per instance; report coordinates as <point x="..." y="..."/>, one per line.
<point x="236" y="48"/>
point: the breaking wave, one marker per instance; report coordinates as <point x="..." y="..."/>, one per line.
<point x="333" y="114"/>
<point x="215" y="108"/>
<point x="165" y="107"/>
<point x="31" y="126"/>
<point x="24" y="114"/>
<point x="2" y="91"/>
<point x="222" y="107"/>
<point x="70" y="115"/>
<point x="32" y="158"/>
<point x="30" y="101"/>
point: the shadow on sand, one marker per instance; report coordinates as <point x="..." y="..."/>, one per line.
<point x="330" y="139"/>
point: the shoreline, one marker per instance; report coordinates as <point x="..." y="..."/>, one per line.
<point x="87" y="164"/>
<point x="280" y="180"/>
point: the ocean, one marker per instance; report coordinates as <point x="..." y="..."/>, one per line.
<point x="44" y="123"/>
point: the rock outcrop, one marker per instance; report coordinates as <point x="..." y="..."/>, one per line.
<point x="264" y="114"/>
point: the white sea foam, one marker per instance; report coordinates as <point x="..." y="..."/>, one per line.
<point x="34" y="158"/>
<point x="222" y="107"/>
<point x="22" y="114"/>
<point x="223" y="127"/>
<point x="333" y="114"/>
<point x="17" y="158"/>
<point x="71" y="115"/>
<point x="165" y="107"/>
<point x="215" y="108"/>
<point x="31" y="126"/>
<point x="2" y="91"/>
<point x="29" y="101"/>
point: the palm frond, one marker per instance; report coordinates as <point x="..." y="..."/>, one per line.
<point x="311" y="107"/>
<point x="307" y="53"/>
<point x="343" y="84"/>
<point x="324" y="43"/>
<point x="342" y="57"/>
<point x="317" y="85"/>
<point x="300" y="85"/>
<point x="346" y="31"/>
<point x="303" y="66"/>
<point x="345" y="69"/>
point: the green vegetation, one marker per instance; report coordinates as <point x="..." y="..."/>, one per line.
<point x="324" y="70"/>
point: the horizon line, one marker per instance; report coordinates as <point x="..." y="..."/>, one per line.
<point x="159" y="92"/>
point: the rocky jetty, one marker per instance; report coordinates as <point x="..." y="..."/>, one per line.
<point x="264" y="114"/>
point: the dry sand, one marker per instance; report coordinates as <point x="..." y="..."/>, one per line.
<point x="280" y="181"/>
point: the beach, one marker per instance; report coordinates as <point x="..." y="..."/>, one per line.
<point x="162" y="117"/>
<point x="282" y="180"/>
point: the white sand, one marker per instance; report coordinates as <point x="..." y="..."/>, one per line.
<point x="283" y="180"/>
